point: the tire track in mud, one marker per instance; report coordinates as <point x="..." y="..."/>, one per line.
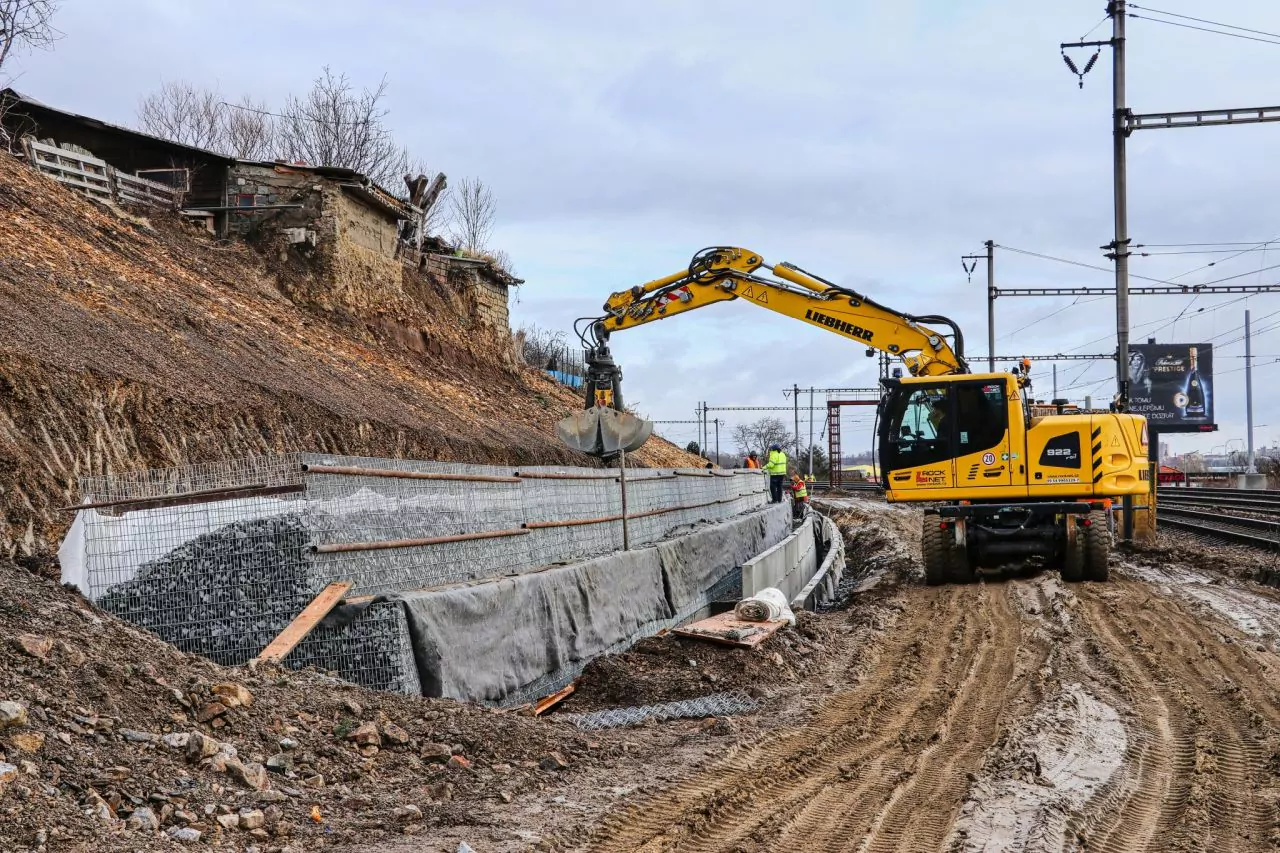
<point x="881" y="767"/>
<point x="940" y="702"/>
<point x="1204" y="716"/>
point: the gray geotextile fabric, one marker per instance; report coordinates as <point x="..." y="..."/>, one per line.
<point x="693" y="564"/>
<point x="484" y="641"/>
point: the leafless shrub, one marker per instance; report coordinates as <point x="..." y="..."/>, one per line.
<point x="544" y="348"/>
<point x="473" y="211"/>
<point x="248" y="130"/>
<point x="185" y="113"/>
<point x="26" y="24"/>
<point x="336" y="126"/>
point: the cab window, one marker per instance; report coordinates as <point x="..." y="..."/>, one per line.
<point x="918" y="429"/>
<point x="982" y="416"/>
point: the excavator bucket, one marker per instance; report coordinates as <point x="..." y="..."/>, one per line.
<point x="601" y="431"/>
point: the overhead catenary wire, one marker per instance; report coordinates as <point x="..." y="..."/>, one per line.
<point x="1257" y="35"/>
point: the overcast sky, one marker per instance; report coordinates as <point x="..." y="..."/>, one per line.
<point x="873" y="143"/>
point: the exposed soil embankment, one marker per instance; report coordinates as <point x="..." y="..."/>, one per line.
<point x="127" y="343"/>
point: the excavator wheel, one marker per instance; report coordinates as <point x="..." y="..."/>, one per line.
<point x="935" y="549"/>
<point x="943" y="561"/>
<point x="1095" y="544"/>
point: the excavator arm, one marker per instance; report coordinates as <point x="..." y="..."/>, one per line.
<point x="722" y="274"/>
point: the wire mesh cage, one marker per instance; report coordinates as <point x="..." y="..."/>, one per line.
<point x="218" y="559"/>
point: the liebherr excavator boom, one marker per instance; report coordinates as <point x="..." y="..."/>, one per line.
<point x="1004" y="483"/>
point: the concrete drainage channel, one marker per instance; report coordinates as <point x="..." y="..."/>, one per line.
<point x="480" y="583"/>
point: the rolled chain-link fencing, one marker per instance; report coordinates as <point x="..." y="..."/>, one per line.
<point x="715" y="705"/>
<point x="217" y="559"/>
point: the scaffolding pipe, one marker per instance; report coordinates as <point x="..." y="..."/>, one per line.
<point x="345" y="547"/>
<point x="605" y="519"/>
<point x="405" y="475"/>
<point x="188" y="498"/>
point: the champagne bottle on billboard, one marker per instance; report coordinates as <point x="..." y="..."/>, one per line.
<point x="1195" y="388"/>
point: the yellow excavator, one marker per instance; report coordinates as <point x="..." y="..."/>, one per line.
<point x="1005" y="483"/>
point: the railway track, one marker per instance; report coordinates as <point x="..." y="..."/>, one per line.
<point x="1255" y="532"/>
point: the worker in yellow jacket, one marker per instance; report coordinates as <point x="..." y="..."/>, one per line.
<point x="776" y="467"/>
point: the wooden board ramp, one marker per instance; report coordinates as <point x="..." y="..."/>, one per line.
<point x="302" y="625"/>
<point x="727" y="629"/>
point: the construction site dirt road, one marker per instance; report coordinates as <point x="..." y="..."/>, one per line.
<point x="1015" y="714"/>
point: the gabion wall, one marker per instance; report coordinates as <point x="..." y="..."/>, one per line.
<point x="218" y="559"/>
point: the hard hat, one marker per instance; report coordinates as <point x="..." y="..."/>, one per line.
<point x="775" y="447"/>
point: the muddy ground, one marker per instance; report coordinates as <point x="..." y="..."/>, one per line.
<point x="1016" y="714"/>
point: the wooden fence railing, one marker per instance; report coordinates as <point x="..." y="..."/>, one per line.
<point x="97" y="179"/>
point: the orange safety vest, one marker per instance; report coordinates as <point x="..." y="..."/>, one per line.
<point x="753" y="463"/>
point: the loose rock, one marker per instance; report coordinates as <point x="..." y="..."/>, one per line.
<point x="27" y="741"/>
<point x="12" y="715"/>
<point x="366" y="735"/>
<point x="407" y="814"/>
<point x="37" y="647"/>
<point x="177" y="741"/>
<point x="200" y="746"/>
<point x="232" y="695"/>
<point x="251" y="819"/>
<point x="184" y="834"/>
<point x="394" y="734"/>
<point x="143" y="819"/>
<point x="252" y="775"/>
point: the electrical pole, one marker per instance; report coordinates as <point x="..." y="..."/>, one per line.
<point x="1123" y="123"/>
<point x="991" y="305"/>
<point x="1055" y="381"/>
<point x="969" y="262"/>
<point x="810" y="430"/>
<point x="717" y="423"/>
<point x="1120" y="245"/>
<point x="1248" y="393"/>
<point x="795" y="399"/>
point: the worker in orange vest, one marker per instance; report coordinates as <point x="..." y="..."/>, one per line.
<point x="799" y="495"/>
<point x="753" y="461"/>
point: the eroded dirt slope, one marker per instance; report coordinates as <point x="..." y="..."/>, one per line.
<point x="127" y="343"/>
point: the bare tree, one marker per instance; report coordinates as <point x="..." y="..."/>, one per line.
<point x="26" y="24"/>
<point x="759" y="435"/>
<point x="248" y="130"/>
<point x="473" y="211"/>
<point x="185" y="113"/>
<point x="333" y="125"/>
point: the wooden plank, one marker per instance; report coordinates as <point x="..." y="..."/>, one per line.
<point x="296" y="631"/>
<point x="69" y="155"/>
<point x="726" y="629"/>
<point x="546" y="703"/>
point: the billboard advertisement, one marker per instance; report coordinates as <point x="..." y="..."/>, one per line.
<point x="1172" y="385"/>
